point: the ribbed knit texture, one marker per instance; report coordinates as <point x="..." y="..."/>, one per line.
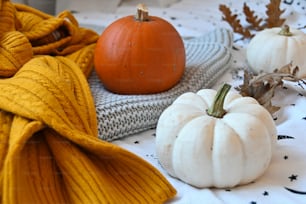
<point x="7" y="16"/>
<point x="49" y="150"/>
<point x="14" y="46"/>
<point x="208" y="57"/>
<point x="26" y="32"/>
<point x="15" y="50"/>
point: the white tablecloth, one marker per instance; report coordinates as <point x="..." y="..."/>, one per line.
<point x="285" y="179"/>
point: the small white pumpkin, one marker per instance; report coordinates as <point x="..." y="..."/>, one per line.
<point x="274" y="48"/>
<point x="215" y="147"/>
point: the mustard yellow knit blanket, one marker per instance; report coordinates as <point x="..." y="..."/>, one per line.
<point x="49" y="149"/>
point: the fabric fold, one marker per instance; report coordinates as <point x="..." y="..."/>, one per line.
<point x="53" y="35"/>
<point x="26" y="32"/>
<point x="49" y="150"/>
<point x="14" y="52"/>
<point x="52" y="153"/>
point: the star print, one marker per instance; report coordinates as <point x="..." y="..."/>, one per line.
<point x="293" y="177"/>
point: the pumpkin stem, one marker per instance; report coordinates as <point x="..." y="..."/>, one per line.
<point x="142" y="13"/>
<point x="285" y="31"/>
<point x="217" y="110"/>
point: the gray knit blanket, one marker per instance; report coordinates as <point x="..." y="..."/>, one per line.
<point x="207" y="58"/>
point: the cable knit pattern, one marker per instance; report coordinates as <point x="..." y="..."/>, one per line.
<point x="7" y="16"/>
<point x="26" y="32"/>
<point x="59" y="35"/>
<point x="208" y="57"/>
<point x="14" y="52"/>
<point x="50" y="152"/>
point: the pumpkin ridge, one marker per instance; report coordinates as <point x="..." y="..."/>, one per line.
<point x="244" y="157"/>
<point x="232" y="168"/>
<point x="180" y="152"/>
<point x="250" y="121"/>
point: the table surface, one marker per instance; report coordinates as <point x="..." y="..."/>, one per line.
<point x="285" y="179"/>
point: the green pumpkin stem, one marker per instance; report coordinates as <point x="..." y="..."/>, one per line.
<point x="285" y="31"/>
<point x="142" y="13"/>
<point x="217" y="110"/>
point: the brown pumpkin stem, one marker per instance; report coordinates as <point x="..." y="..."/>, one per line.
<point x="217" y="110"/>
<point x="285" y="31"/>
<point x="142" y="13"/>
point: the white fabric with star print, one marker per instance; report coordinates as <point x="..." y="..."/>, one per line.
<point x="285" y="179"/>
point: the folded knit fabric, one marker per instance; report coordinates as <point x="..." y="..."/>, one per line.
<point x="208" y="57"/>
<point x="14" y="46"/>
<point x="7" y="16"/>
<point x="49" y="149"/>
<point x="15" y="50"/>
<point x="26" y="32"/>
<point x="56" y="35"/>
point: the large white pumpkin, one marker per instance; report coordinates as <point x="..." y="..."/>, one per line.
<point x="274" y="48"/>
<point x="208" y="151"/>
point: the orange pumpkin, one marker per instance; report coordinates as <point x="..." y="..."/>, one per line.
<point x="139" y="54"/>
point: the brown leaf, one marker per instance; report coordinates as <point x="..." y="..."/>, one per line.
<point x="273" y="18"/>
<point x="287" y="69"/>
<point x="234" y="22"/>
<point x="262" y="86"/>
<point x="274" y="12"/>
<point x="251" y="18"/>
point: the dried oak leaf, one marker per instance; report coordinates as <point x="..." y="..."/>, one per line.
<point x="262" y="86"/>
<point x="234" y="22"/>
<point x="274" y="12"/>
<point x="251" y="18"/>
<point x="273" y="18"/>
